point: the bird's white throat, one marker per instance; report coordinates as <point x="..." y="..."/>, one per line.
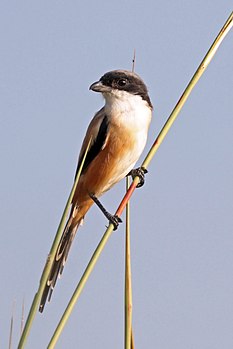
<point x="128" y="109"/>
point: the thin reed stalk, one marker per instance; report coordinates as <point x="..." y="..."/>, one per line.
<point x="11" y="326"/>
<point x="132" y="340"/>
<point x="48" y="265"/>
<point x="205" y="62"/>
<point x="22" y="318"/>
<point x="128" y="280"/>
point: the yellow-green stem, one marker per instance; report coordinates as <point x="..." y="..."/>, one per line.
<point x="132" y="340"/>
<point x="227" y="26"/>
<point x="79" y="288"/>
<point x="48" y="265"/>
<point x="200" y="70"/>
<point x="128" y="281"/>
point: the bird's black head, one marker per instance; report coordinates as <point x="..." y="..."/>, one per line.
<point x="122" y="80"/>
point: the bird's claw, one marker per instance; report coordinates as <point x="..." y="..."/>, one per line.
<point x="114" y="219"/>
<point x="139" y="172"/>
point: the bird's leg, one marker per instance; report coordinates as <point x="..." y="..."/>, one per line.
<point x="114" y="219"/>
<point x="138" y="172"/>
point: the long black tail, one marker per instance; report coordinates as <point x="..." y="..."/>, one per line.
<point x="59" y="262"/>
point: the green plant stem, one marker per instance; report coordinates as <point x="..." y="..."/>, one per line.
<point x="128" y="281"/>
<point x="80" y="286"/>
<point x="22" y="318"/>
<point x="11" y="326"/>
<point x="200" y="70"/>
<point x="227" y="26"/>
<point x="48" y="265"/>
<point x="132" y="340"/>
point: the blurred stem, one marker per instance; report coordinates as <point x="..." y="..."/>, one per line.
<point x="11" y="326"/>
<point x="227" y="26"/>
<point x="132" y="340"/>
<point x="128" y="281"/>
<point x="48" y="265"/>
<point x="22" y="318"/>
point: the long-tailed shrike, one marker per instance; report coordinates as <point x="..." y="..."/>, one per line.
<point x="118" y="134"/>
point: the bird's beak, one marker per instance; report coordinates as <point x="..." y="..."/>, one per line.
<point x="98" y="87"/>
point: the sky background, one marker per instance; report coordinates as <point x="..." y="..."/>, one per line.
<point x="182" y="220"/>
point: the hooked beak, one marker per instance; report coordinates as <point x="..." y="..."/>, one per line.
<point x="99" y="87"/>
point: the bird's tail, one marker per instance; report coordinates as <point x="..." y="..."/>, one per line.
<point x="59" y="260"/>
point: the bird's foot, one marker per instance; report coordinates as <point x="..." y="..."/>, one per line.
<point x="138" y="172"/>
<point x="114" y="219"/>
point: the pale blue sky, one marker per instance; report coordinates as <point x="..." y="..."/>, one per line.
<point x="182" y="221"/>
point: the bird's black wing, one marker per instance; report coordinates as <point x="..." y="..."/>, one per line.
<point x="99" y="139"/>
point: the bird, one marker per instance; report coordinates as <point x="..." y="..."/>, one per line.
<point x="117" y="135"/>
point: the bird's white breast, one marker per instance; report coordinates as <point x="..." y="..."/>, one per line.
<point x="128" y="110"/>
<point x="131" y="115"/>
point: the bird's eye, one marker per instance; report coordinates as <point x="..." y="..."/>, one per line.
<point x="122" y="82"/>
